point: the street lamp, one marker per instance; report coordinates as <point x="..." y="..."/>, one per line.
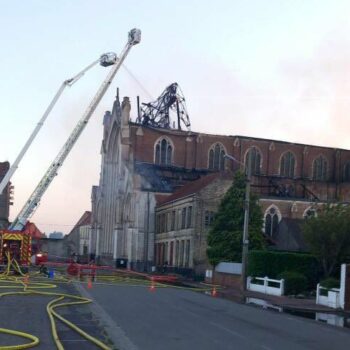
<point x="246" y="217"/>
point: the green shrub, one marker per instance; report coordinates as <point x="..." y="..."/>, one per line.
<point x="271" y="264"/>
<point x="330" y="283"/>
<point x="294" y="282"/>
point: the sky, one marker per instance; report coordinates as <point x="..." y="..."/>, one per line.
<point x="272" y="69"/>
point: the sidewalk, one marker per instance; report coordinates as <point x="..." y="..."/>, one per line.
<point x="286" y="302"/>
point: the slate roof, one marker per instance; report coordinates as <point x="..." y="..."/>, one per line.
<point x="194" y="187"/>
<point x="85" y="219"/>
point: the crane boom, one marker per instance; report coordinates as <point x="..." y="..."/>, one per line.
<point x="33" y="201"/>
<point x="68" y="82"/>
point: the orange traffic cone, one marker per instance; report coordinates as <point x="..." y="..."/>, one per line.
<point x="89" y="285"/>
<point x="214" y="292"/>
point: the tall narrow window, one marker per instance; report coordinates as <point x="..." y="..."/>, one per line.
<point x="216" y="157"/>
<point x="187" y="253"/>
<point x="208" y="218"/>
<point x="271" y="222"/>
<point x="189" y="216"/>
<point x="346" y="176"/>
<point x="183" y="218"/>
<point x="181" y="257"/>
<point x="287" y="165"/>
<point x="177" y="253"/>
<point x="172" y="227"/>
<point x="320" y="169"/>
<point x="253" y="157"/>
<point x="163" y="152"/>
<point x="158" y="223"/>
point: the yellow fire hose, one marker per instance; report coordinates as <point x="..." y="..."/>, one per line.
<point x="14" y="282"/>
<point x="34" y="288"/>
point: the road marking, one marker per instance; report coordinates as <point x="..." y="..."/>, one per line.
<point x="228" y="330"/>
<point x="265" y="347"/>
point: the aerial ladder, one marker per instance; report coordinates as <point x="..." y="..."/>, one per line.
<point x="32" y="203"/>
<point x="105" y="60"/>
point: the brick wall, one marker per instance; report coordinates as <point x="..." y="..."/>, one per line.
<point x="226" y="279"/>
<point x="191" y="151"/>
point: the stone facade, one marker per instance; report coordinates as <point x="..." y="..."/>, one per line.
<point x="182" y="224"/>
<point x="142" y="165"/>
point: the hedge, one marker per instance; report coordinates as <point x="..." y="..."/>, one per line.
<point x="266" y="263"/>
<point x="294" y="282"/>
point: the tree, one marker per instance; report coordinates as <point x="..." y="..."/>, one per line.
<point x="225" y="235"/>
<point x="328" y="236"/>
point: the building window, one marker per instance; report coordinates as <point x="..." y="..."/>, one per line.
<point x="181" y="257"/>
<point x="158" y="224"/>
<point x="177" y="253"/>
<point x="189" y="216"/>
<point x="287" y="165"/>
<point x="216" y="157"/>
<point x="320" y="169"/>
<point x="163" y="222"/>
<point x="183" y="218"/>
<point x="255" y="160"/>
<point x="271" y="222"/>
<point x="172" y="225"/>
<point x="187" y="253"/>
<point x="163" y="152"/>
<point x="346" y="177"/>
<point x="208" y="218"/>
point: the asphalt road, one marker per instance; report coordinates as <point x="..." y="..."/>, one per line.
<point x="136" y="318"/>
<point x="28" y="314"/>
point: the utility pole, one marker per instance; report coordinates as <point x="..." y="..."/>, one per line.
<point x="245" y="238"/>
<point x="248" y="171"/>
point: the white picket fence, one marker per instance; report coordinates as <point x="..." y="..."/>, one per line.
<point x="328" y="297"/>
<point x="267" y="287"/>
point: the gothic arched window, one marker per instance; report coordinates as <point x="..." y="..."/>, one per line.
<point x="346" y="176"/>
<point x="216" y="157"/>
<point x="163" y="152"/>
<point x="255" y="160"/>
<point x="271" y="222"/>
<point x="287" y="165"/>
<point x="320" y="169"/>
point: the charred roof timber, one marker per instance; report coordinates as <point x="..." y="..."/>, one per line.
<point x="158" y="112"/>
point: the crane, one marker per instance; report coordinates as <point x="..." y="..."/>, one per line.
<point x="105" y="60"/>
<point x="134" y="37"/>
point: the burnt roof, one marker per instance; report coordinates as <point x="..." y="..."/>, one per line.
<point x="166" y="179"/>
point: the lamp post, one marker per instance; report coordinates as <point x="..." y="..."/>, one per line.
<point x="245" y="242"/>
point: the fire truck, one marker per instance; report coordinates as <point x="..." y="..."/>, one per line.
<point x="18" y="244"/>
<point x="16" y="240"/>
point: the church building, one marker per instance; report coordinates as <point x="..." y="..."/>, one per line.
<point x="159" y="189"/>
